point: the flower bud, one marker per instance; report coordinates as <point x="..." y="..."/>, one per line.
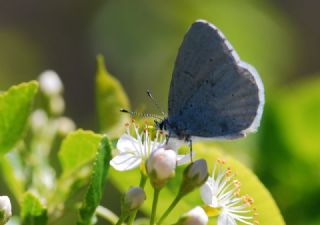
<point x="194" y="176"/>
<point x="133" y="199"/>
<point x="161" y="166"/>
<point x="38" y="120"/>
<point x="5" y="209"/>
<point x="65" y="125"/>
<point x="195" y="216"/>
<point x="50" y="83"/>
<point x="56" y="105"/>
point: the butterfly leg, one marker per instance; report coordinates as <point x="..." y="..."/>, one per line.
<point x="190" y="146"/>
<point x="188" y="139"/>
<point x="168" y="137"/>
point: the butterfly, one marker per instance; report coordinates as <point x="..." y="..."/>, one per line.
<point x="213" y="94"/>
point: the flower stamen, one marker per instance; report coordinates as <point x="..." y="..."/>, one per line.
<point x="221" y="193"/>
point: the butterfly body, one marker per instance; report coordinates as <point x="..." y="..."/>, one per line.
<point x="213" y="94"/>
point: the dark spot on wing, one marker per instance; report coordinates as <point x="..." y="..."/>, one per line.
<point x="187" y="72"/>
<point x="223" y="127"/>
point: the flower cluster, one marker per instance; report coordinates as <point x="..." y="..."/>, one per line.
<point x="157" y="160"/>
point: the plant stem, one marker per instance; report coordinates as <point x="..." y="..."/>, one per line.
<point x="143" y="180"/>
<point x="154" y="205"/>
<point x="106" y="214"/>
<point x="121" y="219"/>
<point x="173" y="204"/>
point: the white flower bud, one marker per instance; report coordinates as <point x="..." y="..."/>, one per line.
<point x="195" y="216"/>
<point x="38" y="120"/>
<point x="195" y="175"/>
<point x="65" y="125"/>
<point x="50" y="83"/>
<point x="56" y="105"/>
<point x="161" y="166"/>
<point x="5" y="209"/>
<point x="134" y="198"/>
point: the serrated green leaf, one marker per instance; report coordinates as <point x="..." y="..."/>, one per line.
<point x="33" y="211"/>
<point x="78" y="149"/>
<point x="268" y="211"/>
<point x="110" y="98"/>
<point x="96" y="187"/>
<point x="15" y="107"/>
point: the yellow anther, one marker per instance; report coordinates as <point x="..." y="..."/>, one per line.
<point x="228" y="172"/>
<point x="247" y="200"/>
<point x="236" y="183"/>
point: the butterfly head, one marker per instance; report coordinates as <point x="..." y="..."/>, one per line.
<point x="162" y="125"/>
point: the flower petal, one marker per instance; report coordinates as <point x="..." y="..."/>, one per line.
<point x="225" y="219"/>
<point x="127" y="143"/>
<point x="183" y="159"/>
<point x="125" y="162"/>
<point x="206" y="193"/>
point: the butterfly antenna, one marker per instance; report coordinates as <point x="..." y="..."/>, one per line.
<point x="155" y="102"/>
<point x="141" y="114"/>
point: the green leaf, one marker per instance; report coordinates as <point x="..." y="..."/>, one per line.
<point x="13" y="173"/>
<point x="78" y="149"/>
<point x="110" y="98"/>
<point x="96" y="187"/>
<point x="290" y="133"/>
<point x="15" y="107"/>
<point x="33" y="211"/>
<point x="301" y="129"/>
<point x="266" y="207"/>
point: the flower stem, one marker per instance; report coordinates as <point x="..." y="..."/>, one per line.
<point x="106" y="214"/>
<point x="154" y="205"/>
<point x="121" y="219"/>
<point x="143" y="180"/>
<point x="171" y="207"/>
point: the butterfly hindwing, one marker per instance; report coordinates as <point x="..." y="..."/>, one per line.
<point x="212" y="92"/>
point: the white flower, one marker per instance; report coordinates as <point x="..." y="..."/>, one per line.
<point x="196" y="216"/>
<point x="135" y="150"/>
<point x="5" y="209"/>
<point x="50" y="83"/>
<point x="221" y="193"/>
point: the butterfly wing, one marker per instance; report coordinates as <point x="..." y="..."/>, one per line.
<point x="213" y="93"/>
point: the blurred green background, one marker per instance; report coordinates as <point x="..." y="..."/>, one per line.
<point x="140" y="40"/>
